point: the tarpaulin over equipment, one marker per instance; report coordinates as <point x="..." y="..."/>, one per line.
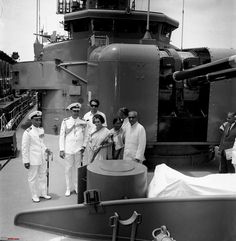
<point x="170" y="183"/>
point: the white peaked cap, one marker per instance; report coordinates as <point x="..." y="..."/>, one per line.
<point x="36" y="113"/>
<point x="75" y="105"/>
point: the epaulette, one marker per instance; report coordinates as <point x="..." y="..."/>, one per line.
<point x="29" y="129"/>
<point x="66" y="118"/>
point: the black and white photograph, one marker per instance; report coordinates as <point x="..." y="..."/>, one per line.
<point x="117" y="120"/>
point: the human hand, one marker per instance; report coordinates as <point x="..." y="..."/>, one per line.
<point x="138" y="161"/>
<point x="48" y="151"/>
<point x="27" y="165"/>
<point x="98" y="148"/>
<point x="216" y="150"/>
<point x="62" y="154"/>
<point x="82" y="149"/>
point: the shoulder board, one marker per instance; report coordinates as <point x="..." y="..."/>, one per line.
<point x="66" y="118"/>
<point x="29" y="129"/>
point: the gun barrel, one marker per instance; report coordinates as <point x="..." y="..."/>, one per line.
<point x="204" y="69"/>
<point x="212" y="77"/>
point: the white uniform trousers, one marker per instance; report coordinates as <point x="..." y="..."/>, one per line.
<point x="72" y="162"/>
<point x="37" y="179"/>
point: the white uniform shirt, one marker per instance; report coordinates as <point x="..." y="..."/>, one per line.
<point x="89" y="118"/>
<point x="135" y="142"/>
<point x="73" y="135"/>
<point x="33" y="147"/>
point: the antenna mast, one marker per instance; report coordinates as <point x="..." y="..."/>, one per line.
<point x="148" y="16"/>
<point x="38" y="47"/>
<point x="147" y="34"/>
<point x="182" y="30"/>
<point x="37" y="18"/>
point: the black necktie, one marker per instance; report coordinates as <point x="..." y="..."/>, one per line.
<point x="228" y="129"/>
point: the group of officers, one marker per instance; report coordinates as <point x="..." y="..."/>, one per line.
<point x="87" y="139"/>
<point x="81" y="141"/>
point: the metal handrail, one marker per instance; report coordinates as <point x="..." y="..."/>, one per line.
<point x="3" y="122"/>
<point x="16" y="115"/>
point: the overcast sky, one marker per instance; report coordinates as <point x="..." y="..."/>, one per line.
<point x="207" y="23"/>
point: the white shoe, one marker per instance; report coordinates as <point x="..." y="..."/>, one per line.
<point x="35" y="199"/>
<point x="67" y="194"/>
<point x="46" y="196"/>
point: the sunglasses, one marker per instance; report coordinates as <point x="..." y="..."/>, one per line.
<point x="75" y="110"/>
<point x="132" y="117"/>
<point x="94" y="105"/>
<point x="37" y="119"/>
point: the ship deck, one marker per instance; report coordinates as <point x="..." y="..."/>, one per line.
<point x="15" y="194"/>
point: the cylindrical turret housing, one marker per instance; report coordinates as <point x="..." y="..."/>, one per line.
<point x="126" y="75"/>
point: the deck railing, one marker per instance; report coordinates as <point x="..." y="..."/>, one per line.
<point x="17" y="113"/>
<point x="3" y="122"/>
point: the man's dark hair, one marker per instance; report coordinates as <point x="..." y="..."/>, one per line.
<point x="117" y="119"/>
<point x="124" y="110"/>
<point x="94" y="100"/>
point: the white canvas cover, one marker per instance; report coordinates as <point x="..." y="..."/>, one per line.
<point x="170" y="183"/>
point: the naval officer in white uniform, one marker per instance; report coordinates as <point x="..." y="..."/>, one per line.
<point x="34" y="153"/>
<point x="72" y="143"/>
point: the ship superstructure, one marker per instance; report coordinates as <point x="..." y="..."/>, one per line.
<point x="124" y="57"/>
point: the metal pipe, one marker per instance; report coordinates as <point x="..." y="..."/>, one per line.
<point x="204" y="69"/>
<point x="73" y="74"/>
<point x="73" y="63"/>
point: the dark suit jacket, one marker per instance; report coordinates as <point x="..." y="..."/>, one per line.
<point x="227" y="138"/>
